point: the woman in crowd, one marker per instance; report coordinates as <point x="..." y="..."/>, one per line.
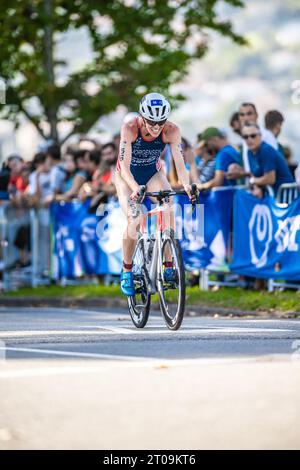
<point x="76" y="175"/>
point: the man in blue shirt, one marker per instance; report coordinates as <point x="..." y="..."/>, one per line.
<point x="226" y="155"/>
<point x="267" y="165"/>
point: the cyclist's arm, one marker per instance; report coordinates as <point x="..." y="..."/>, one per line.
<point x="177" y="153"/>
<point x="125" y="156"/>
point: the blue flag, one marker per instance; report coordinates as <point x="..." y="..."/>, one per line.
<point x="266" y="241"/>
<point x="204" y="240"/>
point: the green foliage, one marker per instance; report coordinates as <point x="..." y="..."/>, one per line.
<point x="138" y="45"/>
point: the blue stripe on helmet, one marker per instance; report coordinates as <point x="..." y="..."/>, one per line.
<point x="156" y="103"/>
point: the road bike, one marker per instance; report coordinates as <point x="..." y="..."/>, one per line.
<point x="150" y="255"/>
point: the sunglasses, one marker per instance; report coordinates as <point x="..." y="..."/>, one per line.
<point x="250" y="136"/>
<point x="153" y="123"/>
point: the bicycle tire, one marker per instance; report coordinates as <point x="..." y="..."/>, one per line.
<point x="172" y="323"/>
<point x="139" y="312"/>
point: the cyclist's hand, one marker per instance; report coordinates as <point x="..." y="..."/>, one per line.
<point x="190" y="193"/>
<point x="138" y="194"/>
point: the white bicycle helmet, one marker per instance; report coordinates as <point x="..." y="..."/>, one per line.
<point x="155" y="107"/>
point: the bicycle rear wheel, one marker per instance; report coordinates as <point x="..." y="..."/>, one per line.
<point x="139" y="304"/>
<point x="172" y="294"/>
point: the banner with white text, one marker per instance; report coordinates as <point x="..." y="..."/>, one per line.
<point x="266" y="238"/>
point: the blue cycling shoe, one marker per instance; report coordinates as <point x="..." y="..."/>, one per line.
<point x="169" y="275"/>
<point x="127" y="284"/>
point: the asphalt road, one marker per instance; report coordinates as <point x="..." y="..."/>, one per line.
<point x="73" y="379"/>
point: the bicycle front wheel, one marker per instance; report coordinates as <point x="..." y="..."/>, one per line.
<point x="171" y="292"/>
<point x="139" y="304"/>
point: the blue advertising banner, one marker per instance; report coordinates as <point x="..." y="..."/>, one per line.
<point x="86" y="243"/>
<point x="205" y="235"/>
<point x="66" y="222"/>
<point x="266" y="241"/>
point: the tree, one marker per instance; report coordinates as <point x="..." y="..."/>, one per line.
<point x="137" y="45"/>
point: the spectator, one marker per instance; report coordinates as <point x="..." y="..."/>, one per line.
<point x="273" y="122"/>
<point x="86" y="143"/>
<point x="75" y="177"/>
<point x="205" y="163"/>
<point x="39" y="189"/>
<point x="116" y="141"/>
<point x="287" y="153"/>
<point x="92" y="161"/>
<point x="57" y="171"/>
<point x="4" y="182"/>
<point x="104" y="186"/>
<point x="235" y="123"/>
<point x="226" y="155"/>
<point x="267" y="165"/>
<point x="108" y="162"/>
<point x="248" y="113"/>
<point x="18" y="198"/>
<point x="15" y="165"/>
<point x="79" y="156"/>
<point x="19" y="180"/>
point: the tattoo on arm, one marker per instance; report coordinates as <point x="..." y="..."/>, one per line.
<point x="122" y="150"/>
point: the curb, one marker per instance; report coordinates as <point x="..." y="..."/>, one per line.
<point x="107" y="302"/>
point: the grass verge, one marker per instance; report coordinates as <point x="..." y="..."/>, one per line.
<point x="226" y="297"/>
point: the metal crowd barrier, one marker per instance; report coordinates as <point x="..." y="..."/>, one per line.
<point x="286" y="194"/>
<point x="223" y="278"/>
<point x="26" y="232"/>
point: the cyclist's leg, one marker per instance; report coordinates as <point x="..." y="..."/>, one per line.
<point x="159" y="182"/>
<point x="131" y="232"/>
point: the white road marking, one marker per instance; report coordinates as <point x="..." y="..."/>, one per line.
<point x="151" y="330"/>
<point x="72" y="354"/>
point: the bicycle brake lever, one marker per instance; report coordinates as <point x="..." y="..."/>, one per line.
<point x="194" y="192"/>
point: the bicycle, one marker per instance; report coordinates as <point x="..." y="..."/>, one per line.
<point x="148" y="268"/>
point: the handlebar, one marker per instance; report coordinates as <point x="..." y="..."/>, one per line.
<point x="165" y="193"/>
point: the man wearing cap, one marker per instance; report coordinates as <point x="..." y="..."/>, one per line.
<point x="226" y="155"/>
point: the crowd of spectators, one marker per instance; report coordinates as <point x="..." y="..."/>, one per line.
<point x="77" y="173"/>
<point x="251" y="153"/>
<point x="86" y="170"/>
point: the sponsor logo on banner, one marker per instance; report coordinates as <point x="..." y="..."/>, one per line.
<point x="260" y="229"/>
<point x="286" y="234"/>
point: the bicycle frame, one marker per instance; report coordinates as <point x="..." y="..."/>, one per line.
<point x="156" y="259"/>
<point x="156" y="263"/>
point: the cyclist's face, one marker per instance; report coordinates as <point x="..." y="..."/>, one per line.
<point x="154" y="129"/>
